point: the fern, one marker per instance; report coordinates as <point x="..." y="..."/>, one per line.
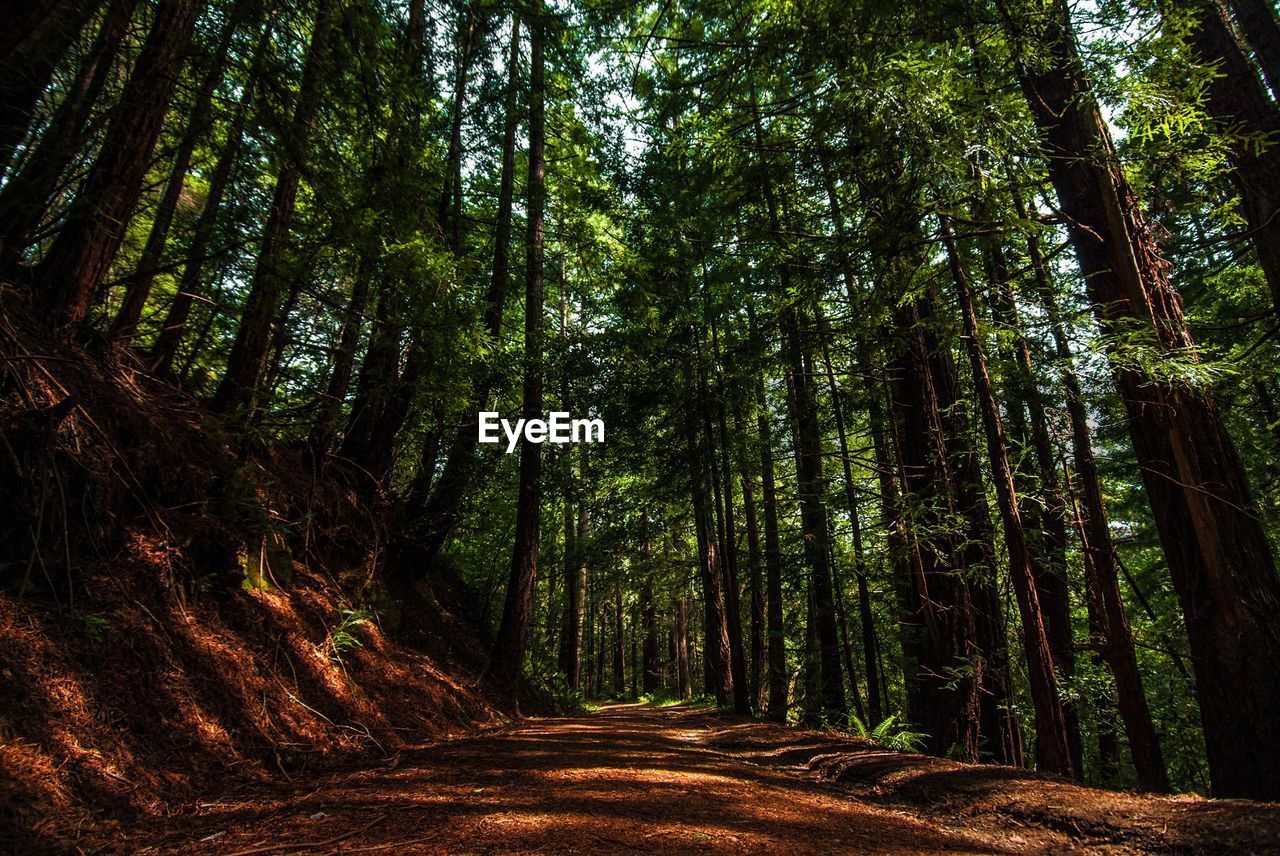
<point x="891" y="733"/>
<point x="342" y="637"/>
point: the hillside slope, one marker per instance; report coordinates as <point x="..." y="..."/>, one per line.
<point x="178" y="615"/>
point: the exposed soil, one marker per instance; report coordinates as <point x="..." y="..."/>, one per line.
<point x="181" y="613"/>
<point x="633" y="778"/>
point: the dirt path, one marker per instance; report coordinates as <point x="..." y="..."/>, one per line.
<point x="681" y="780"/>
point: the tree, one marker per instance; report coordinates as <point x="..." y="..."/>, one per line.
<point x="1218" y="555"/>
<point x="509" y="649"/>
<point x="80" y="257"/>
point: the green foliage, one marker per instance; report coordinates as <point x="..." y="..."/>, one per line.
<point x="97" y="627"/>
<point x="344" y="636"/>
<point x="891" y="733"/>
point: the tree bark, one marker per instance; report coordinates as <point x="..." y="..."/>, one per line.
<point x="508" y="657"/>
<point x="1218" y="553"/>
<point x="651" y="672"/>
<point x="191" y="285"/>
<point x="1242" y="106"/>
<point x="813" y="512"/>
<point x="237" y="393"/>
<point x="1259" y="23"/>
<point x="1037" y="474"/>
<point x="619" y="646"/>
<point x="35" y="39"/>
<point x="1053" y="752"/>
<point x="732" y="599"/>
<point x="86" y="246"/>
<point x="865" y="616"/>
<point x="776" y="707"/>
<point x="27" y="195"/>
<point x="684" y="684"/>
<point x="138" y="288"/>
<point x="718" y="677"/>
<point x="1102" y="585"/>
<point x="344" y="358"/>
<point x="567" y="650"/>
<point x="756" y="563"/>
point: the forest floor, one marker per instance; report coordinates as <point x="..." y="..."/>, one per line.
<point x="683" y="779"/>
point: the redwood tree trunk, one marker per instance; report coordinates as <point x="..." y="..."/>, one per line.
<point x="513" y="633"/>
<point x="1239" y="101"/>
<point x="619" y="646"/>
<point x="684" y="684"/>
<point x="237" y="393"/>
<point x="1053" y="752"/>
<point x="1102" y="586"/>
<point x="192" y="282"/>
<point x="575" y="597"/>
<point x="1215" y="545"/>
<point x="650" y="673"/>
<point x="81" y="256"/>
<point x="139" y="286"/>
<point x="27" y="195"/>
<point x="755" y="670"/>
<point x="732" y="597"/>
<point x="35" y="39"/>
<point x="716" y="657"/>
<point x="1258" y="21"/>
<point x="813" y="514"/>
<point x="776" y="707"/>
<point x="865" y="616"/>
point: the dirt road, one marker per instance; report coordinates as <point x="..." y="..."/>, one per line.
<point x="632" y="778"/>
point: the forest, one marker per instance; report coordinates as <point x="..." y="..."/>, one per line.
<point x="934" y="348"/>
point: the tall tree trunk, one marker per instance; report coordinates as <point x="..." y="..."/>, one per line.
<point x="718" y="678"/>
<point x="449" y="209"/>
<point x="652" y="674"/>
<point x="1241" y="104"/>
<point x="344" y="358"/>
<point x="1261" y="27"/>
<point x="755" y="562"/>
<point x="846" y="648"/>
<point x="192" y="283"/>
<point x="245" y="365"/>
<point x="138" y="288"/>
<point x="1102" y="584"/>
<point x="1047" y="516"/>
<point x="684" y="684"/>
<point x="776" y="707"/>
<point x="570" y="654"/>
<point x="440" y="512"/>
<point x="27" y="195"/>
<point x="865" y="616"/>
<point x="813" y="511"/>
<point x="938" y="624"/>
<point x="82" y="254"/>
<point x="808" y="457"/>
<point x="1103" y="701"/>
<point x="508" y="652"/>
<point x="869" y="642"/>
<point x="619" y="646"/>
<point x="732" y="597"/>
<point x="648" y="615"/>
<point x="1218" y="553"/>
<point x="1053" y="752"/>
<point x="35" y="39"/>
